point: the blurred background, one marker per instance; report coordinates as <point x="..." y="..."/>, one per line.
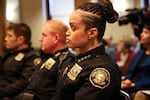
<point x="36" y="12"/>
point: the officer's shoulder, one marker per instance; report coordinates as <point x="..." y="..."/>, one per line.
<point x="63" y="54"/>
<point x="34" y="55"/>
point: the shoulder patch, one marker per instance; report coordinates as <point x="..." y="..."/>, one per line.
<point x="74" y="71"/>
<point x="19" y="56"/>
<point x="36" y="61"/>
<point x="48" y="64"/>
<point x="100" y="78"/>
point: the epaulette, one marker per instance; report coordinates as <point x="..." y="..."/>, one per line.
<point x="63" y="56"/>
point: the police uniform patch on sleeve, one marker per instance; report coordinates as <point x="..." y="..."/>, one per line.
<point x="74" y="72"/>
<point x="100" y="78"/>
<point x="48" y="64"/>
<point x="19" y="56"/>
<point x="36" y="61"/>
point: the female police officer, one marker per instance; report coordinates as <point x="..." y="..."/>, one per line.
<point x="92" y="75"/>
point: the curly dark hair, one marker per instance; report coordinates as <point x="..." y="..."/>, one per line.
<point x="98" y="14"/>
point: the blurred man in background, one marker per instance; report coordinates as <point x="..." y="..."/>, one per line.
<point x="16" y="65"/>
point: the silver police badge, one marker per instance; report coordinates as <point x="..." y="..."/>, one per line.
<point x="100" y="78"/>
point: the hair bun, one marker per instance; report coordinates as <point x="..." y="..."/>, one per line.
<point x="109" y="13"/>
<point x="112" y="18"/>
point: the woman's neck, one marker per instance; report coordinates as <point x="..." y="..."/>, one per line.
<point x="89" y="47"/>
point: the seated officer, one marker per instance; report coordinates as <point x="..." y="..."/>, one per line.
<point x="17" y="63"/>
<point x="92" y="74"/>
<point x="43" y="81"/>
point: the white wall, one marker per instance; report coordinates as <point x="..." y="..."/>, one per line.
<point x="61" y="9"/>
<point x="117" y="31"/>
<point x="31" y="13"/>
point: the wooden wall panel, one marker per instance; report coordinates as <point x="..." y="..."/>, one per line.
<point x="79" y="2"/>
<point x="2" y="23"/>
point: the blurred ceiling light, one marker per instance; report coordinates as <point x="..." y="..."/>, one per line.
<point x="12" y="10"/>
<point x="119" y="5"/>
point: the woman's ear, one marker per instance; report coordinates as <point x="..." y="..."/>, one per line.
<point x="93" y="32"/>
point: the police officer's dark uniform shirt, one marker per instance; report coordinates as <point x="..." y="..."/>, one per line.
<point x="43" y="82"/>
<point x="92" y="76"/>
<point x="15" y="70"/>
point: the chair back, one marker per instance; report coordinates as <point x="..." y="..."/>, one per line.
<point x="124" y="95"/>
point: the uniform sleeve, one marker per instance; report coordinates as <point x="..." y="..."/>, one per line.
<point x="20" y="84"/>
<point x="99" y="85"/>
